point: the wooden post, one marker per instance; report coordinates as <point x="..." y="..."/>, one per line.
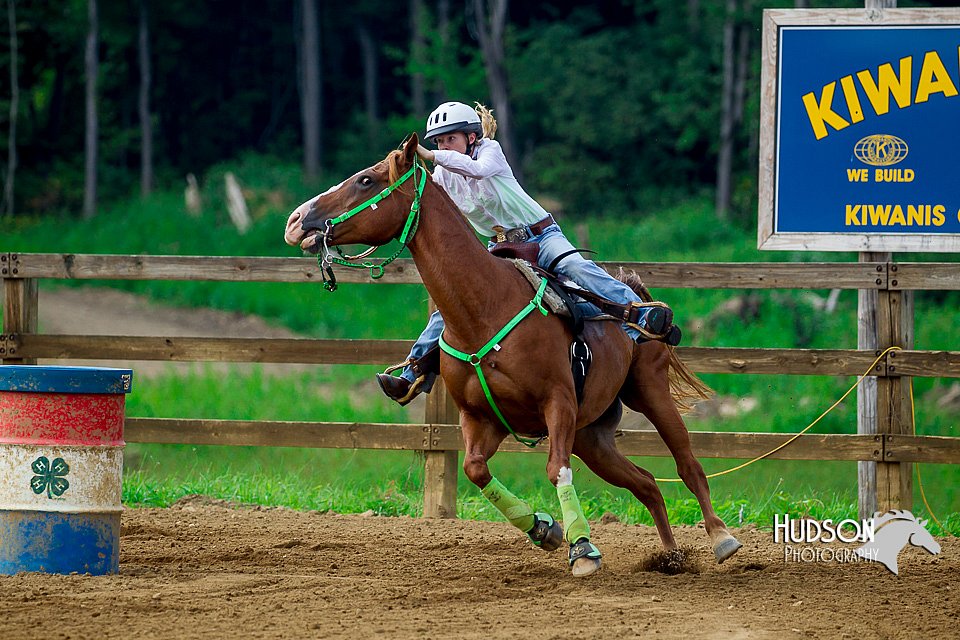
<point x="907" y="425"/>
<point x="867" y="339"/>
<point x="440" y="467"/>
<point x="20" y="303"/>
<point x="894" y="481"/>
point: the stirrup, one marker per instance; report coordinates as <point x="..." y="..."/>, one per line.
<point x="546" y="532"/>
<point x="583" y="548"/>
<point x="662" y="327"/>
<point x="399" y="365"/>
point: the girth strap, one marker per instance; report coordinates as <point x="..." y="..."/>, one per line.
<point x="474" y="358"/>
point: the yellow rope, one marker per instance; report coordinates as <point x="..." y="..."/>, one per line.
<point x="923" y="495"/>
<point x="807" y="428"/>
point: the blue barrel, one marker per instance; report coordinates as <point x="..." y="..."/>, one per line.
<point x="61" y="468"/>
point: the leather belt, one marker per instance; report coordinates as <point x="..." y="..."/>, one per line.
<point x="522" y="234"/>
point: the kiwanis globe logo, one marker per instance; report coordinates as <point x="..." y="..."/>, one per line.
<point x="880" y="150"/>
<point x="883" y="537"/>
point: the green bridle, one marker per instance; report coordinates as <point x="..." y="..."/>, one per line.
<point x="325" y="260"/>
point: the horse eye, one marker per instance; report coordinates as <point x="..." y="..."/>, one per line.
<point x="364" y="181"/>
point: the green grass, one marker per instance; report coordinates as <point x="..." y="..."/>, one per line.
<point x="391" y="482"/>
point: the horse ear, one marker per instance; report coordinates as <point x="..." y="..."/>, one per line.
<point x="410" y="149"/>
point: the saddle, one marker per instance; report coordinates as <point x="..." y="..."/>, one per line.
<point x="562" y="296"/>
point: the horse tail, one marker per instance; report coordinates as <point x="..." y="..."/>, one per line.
<point x="487" y="120"/>
<point x="685" y="387"/>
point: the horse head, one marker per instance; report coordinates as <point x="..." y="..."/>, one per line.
<point x="922" y="538"/>
<point x="893" y="530"/>
<point x="358" y="210"/>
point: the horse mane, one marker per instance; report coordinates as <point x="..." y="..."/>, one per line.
<point x="394" y="171"/>
<point x="685" y="387"/>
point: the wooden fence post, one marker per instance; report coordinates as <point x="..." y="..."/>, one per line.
<point x="867" y="339"/>
<point x="20" y="303"/>
<point x="440" y="467"/>
<point x="894" y="479"/>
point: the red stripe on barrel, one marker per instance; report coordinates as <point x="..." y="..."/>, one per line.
<point x="60" y="418"/>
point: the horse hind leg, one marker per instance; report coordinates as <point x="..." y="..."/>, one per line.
<point x="648" y="392"/>
<point x="595" y="446"/>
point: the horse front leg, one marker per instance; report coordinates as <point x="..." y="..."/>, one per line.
<point x="481" y="441"/>
<point x="561" y="425"/>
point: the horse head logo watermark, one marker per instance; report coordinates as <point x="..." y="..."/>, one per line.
<point x="892" y="531"/>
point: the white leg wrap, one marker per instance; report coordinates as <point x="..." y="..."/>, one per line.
<point x="565" y="477"/>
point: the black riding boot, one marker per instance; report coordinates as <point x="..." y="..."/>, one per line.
<point x="402" y="390"/>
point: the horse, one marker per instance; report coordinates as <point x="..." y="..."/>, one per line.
<point x="892" y="531"/>
<point x="527" y="372"/>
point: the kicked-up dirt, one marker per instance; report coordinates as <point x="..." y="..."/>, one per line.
<point x="207" y="569"/>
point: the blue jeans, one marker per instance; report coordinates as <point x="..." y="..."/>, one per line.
<point x="584" y="272"/>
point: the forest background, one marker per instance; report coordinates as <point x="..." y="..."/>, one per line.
<point x="604" y="107"/>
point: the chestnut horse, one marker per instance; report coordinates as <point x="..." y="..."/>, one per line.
<point x="528" y="376"/>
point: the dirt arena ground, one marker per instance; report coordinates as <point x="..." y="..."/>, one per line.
<point x="204" y="569"/>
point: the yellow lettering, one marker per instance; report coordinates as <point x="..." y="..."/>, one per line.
<point x="938" y="218"/>
<point x="853" y="100"/>
<point x="879" y="214"/>
<point x="916" y="214"/>
<point x="853" y="212"/>
<point x="933" y="79"/>
<point x="821" y="113"/>
<point x="888" y="83"/>
<point x="897" y="217"/>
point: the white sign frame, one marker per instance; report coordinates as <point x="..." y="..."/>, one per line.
<point x="767" y="238"/>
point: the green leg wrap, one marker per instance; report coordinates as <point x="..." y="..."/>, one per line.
<point x="574" y="523"/>
<point x="513" y="508"/>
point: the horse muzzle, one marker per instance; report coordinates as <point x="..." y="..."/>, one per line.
<point x="305" y="231"/>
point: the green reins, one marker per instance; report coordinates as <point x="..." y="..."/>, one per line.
<point x="325" y="260"/>
<point x="474" y="358"/>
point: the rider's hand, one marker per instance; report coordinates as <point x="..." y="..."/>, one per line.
<point x="424" y="153"/>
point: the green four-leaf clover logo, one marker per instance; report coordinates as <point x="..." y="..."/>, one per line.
<point x="49" y="476"/>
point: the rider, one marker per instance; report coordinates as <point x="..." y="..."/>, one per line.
<point x="473" y="170"/>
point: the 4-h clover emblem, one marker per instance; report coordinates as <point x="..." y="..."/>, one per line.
<point x="49" y="476"/>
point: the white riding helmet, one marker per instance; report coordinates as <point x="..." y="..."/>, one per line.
<point x="453" y="116"/>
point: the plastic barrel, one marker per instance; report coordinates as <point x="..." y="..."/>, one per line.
<point x="61" y="467"/>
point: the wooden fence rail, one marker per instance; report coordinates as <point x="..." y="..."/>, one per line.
<point x="438" y="436"/>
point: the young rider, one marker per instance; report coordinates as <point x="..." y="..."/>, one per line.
<point x="472" y="169"/>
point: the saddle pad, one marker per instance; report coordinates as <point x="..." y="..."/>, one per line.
<point x="550" y="297"/>
<point x="551" y="300"/>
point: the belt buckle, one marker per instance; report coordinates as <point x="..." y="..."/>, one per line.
<point x="517" y="235"/>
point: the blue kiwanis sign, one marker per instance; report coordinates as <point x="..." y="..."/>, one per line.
<point x="860" y="130"/>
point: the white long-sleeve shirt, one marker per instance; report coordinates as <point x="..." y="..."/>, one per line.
<point x="484" y="188"/>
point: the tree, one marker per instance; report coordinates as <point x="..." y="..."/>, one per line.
<point x="371" y="81"/>
<point x="310" y="97"/>
<point x="725" y="155"/>
<point x="491" y="19"/>
<point x="418" y="99"/>
<point x="92" y="65"/>
<point x="146" y="130"/>
<point x="14" y="108"/>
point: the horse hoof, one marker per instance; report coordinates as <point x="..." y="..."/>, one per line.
<point x="726" y="548"/>
<point x="585" y="566"/>
<point x="546" y="532"/>
<point x="584" y="558"/>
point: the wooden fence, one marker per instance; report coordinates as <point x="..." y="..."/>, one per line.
<point x="893" y="447"/>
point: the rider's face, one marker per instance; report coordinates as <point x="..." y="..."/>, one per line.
<point x="454" y="141"/>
